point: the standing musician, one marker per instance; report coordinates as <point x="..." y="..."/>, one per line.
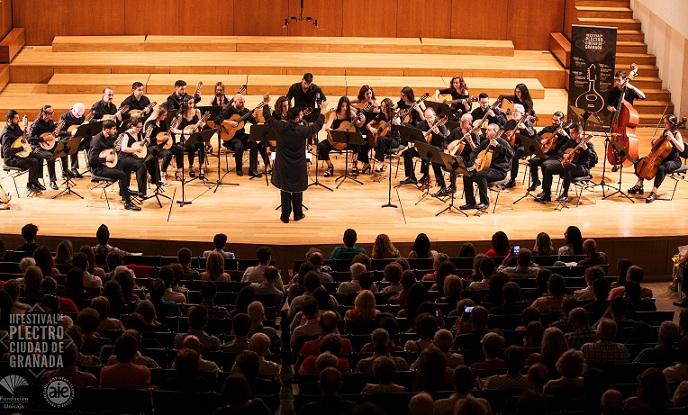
<point x="438" y="139"/>
<point x="240" y="142"/>
<point x="190" y="116"/>
<point x="670" y="163"/>
<point x="74" y="117"/>
<point x="581" y="166"/>
<point x="385" y="143"/>
<point x="158" y="119"/>
<point x="122" y="170"/>
<point x="32" y="163"/>
<point x="290" y="174"/>
<point x="524" y="128"/>
<point x="494" y="116"/>
<point x="127" y="138"/>
<point x="622" y="87"/>
<point x="472" y="141"/>
<point x="343" y="112"/>
<point x="305" y="93"/>
<point x="366" y="100"/>
<point x="174" y="101"/>
<point x="105" y="105"/>
<point x="458" y="90"/>
<point x="553" y="154"/>
<point x="219" y="99"/>
<point x="521" y="96"/>
<point x="135" y="101"/>
<point x="502" y="153"/>
<point x="45" y="124"/>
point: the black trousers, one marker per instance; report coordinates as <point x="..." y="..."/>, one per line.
<point x="152" y="163"/>
<point x="132" y="164"/>
<point x="385" y="146"/>
<point x="363" y="151"/>
<point x="549" y="169"/>
<point x="571" y="171"/>
<point x="324" y="148"/>
<point x="481" y="178"/>
<point x="519" y="153"/>
<point x="32" y="163"/>
<point x="255" y="148"/>
<point x="291" y="201"/>
<point x="665" y="168"/>
<point x="408" y="155"/>
<point x="191" y="152"/>
<point x="238" y="145"/>
<point x="535" y="164"/>
<point x="178" y="152"/>
<point x="116" y="173"/>
<point x="47" y="155"/>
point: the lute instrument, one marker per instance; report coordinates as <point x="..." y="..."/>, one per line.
<point x="23" y="140"/>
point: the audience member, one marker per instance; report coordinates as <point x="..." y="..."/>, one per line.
<point x="349" y="249"/>
<point x="383" y="248"/>
<point x="219" y="245"/>
<point x="215" y="268"/>
<point x="605" y="351"/>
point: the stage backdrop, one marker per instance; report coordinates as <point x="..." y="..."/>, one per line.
<point x="527" y="23"/>
<point x="593" y="52"/>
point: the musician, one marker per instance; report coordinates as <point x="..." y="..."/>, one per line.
<point x="522" y="128"/>
<point x="553" y="155"/>
<point x="579" y="167"/>
<point x="521" y="96"/>
<point x="31" y="163"/>
<point x="471" y="139"/>
<point x="174" y="101"/>
<point x="438" y="138"/>
<point x="289" y="174"/>
<point x="45" y="124"/>
<point x="458" y="90"/>
<point x="135" y="101"/>
<point x="670" y="162"/>
<point x="105" y="106"/>
<point x="126" y="153"/>
<point x="366" y="100"/>
<point x="493" y="117"/>
<point x="158" y="120"/>
<point x="407" y="99"/>
<point x="502" y="154"/>
<point x="74" y="117"/>
<point x="190" y="117"/>
<point x="622" y="88"/>
<point x="240" y="142"/>
<point x="385" y="143"/>
<point x="219" y="99"/>
<point x="281" y="109"/>
<point x="122" y="170"/>
<point x="343" y="112"/>
<point x="305" y="93"/>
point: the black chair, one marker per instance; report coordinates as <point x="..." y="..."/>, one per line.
<point x="100" y="182"/>
<point x="172" y="402"/>
<point x="14" y="173"/>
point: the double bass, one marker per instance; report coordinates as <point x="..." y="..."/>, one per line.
<point x="623" y="129"/>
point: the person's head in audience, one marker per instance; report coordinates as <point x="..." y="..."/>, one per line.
<point x="606" y="330"/>
<point x="80" y="261"/>
<point x="309" y="308"/>
<point x="611" y="402"/>
<point x="467" y="250"/>
<point x="392" y="273"/>
<point x="356" y="270"/>
<point x="464" y="380"/>
<point x="500" y="243"/>
<point x="362" y="258"/>
<point x="48" y="286"/>
<point x="470" y="406"/>
<point x="511" y="293"/>
<point x="416" y="296"/>
<point x="432" y="363"/>
<point x="635" y="274"/>
<point x="113" y="260"/>
<point x="383" y="247"/>
<point x="219" y="241"/>
<point x="391" y="325"/>
<point x="486" y="268"/>
<point x="524" y="258"/>
<point x="126" y="347"/>
<point x="236" y="391"/>
<point x="325" y="360"/>
<point x="33" y="276"/>
<point x="88" y="319"/>
<point x="619" y="308"/>
<point x="543" y="245"/>
<point x="578" y="318"/>
<point x="438" y="259"/>
<point x="444" y="269"/>
<point x="531" y="403"/>
<point x="191" y="342"/>
<point x="380" y="341"/>
<point x="215" y="265"/>
<point x="593" y="273"/>
<point x="622" y="266"/>
<point x="422" y="246"/>
<point x="264" y="255"/>
<point x="241" y="325"/>
<point x="633" y="292"/>
<point x="147" y="310"/>
<point x="403" y="262"/>
<point x="332" y="343"/>
<point x="349" y="238"/>
<point x="365" y="305"/>
<point x="574" y="239"/>
<point x="443" y="340"/>
<point x="478" y="319"/>
<point x="245" y="297"/>
<point x="102" y="305"/>
<point x="311" y="282"/>
<point x="186" y="362"/>
<point x="317" y="259"/>
<point x="421" y="404"/>
<point x="493" y="344"/>
<point x="668" y="333"/>
<point x="113" y="291"/>
<point x="514" y="359"/>
<point x="156" y="289"/>
<point x="248" y="363"/>
<point x="166" y="274"/>
<point x="136" y="322"/>
<point x="184" y="257"/>
<point x="600" y="289"/>
<point x="571" y="364"/>
<point x="452" y="287"/>
<point x="330" y="381"/>
<point x="495" y="285"/>
<point x="198" y="318"/>
<point x="541" y="279"/>
<point x="328" y="322"/>
<point x="208" y="292"/>
<point x="383" y="369"/>
<point x="126" y="280"/>
<point x="26" y="262"/>
<point x="271" y="274"/>
<point x="103" y="235"/>
<point x="44" y="260"/>
<point x="365" y="280"/>
<point x="29" y="232"/>
<point x="259" y="343"/>
<point x="256" y="313"/>
<point x="426" y="326"/>
<point x="408" y="279"/>
<point x="64" y="252"/>
<point x="322" y="297"/>
<point x="475" y="268"/>
<point x="652" y="388"/>
<point x="556" y="285"/>
<point x="538" y="375"/>
<point x="88" y="251"/>
<point x="553" y="345"/>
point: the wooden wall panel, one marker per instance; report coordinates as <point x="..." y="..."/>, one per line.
<point x="5" y="17"/>
<point x="424" y="18"/>
<point x="370" y="18"/>
<point x="570" y="18"/>
<point x="479" y="19"/>
<point x="154" y="17"/>
<point x="527" y="26"/>
<point x="328" y="13"/>
<point x="259" y="17"/>
<point x="215" y="17"/>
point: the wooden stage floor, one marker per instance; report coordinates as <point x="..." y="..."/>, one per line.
<point x="247" y="213"/>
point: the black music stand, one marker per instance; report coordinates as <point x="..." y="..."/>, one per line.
<point x="619" y="151"/>
<point x="531" y="145"/>
<point x="85" y="132"/>
<point x="432" y="155"/>
<point x="262" y="133"/>
<point x="454" y="165"/>
<point x="409" y="137"/>
<point x="389" y="185"/>
<point x="64" y="148"/>
<point x="193" y="139"/>
<point x="348" y="138"/>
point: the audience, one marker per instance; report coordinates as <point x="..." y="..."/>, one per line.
<point x="125" y="374"/>
<point x="574" y="242"/>
<point x="383" y="248"/>
<point x="198" y="319"/>
<point x="605" y="351"/>
<point x="215" y="268"/>
<point x="219" y="245"/>
<point x="349" y="249"/>
<point x="237" y="398"/>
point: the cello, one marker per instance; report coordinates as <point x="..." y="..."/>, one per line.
<point x="647" y="166"/>
<point x="623" y="129"/>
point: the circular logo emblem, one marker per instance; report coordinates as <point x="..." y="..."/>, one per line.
<point x="59" y="392"/>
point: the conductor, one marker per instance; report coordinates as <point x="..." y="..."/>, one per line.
<point x="289" y="171"/>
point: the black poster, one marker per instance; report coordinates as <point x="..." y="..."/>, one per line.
<point x="593" y="53"/>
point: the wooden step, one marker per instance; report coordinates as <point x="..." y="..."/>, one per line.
<point x="630" y="36"/>
<point x="12" y="44"/>
<point x="653" y="106"/>
<point x="655" y="94"/>
<point x="603" y="3"/>
<point x="560" y="47"/>
<point x="98" y="43"/>
<point x="4" y="76"/>
<point x="79" y="83"/>
<point x="647" y="82"/>
<point x="467" y="46"/>
<point x="630" y="24"/>
<point x="645" y="59"/>
<point x="605" y="12"/>
<point x="631" y="47"/>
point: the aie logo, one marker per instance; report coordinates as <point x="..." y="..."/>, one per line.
<point x="59" y="392"/>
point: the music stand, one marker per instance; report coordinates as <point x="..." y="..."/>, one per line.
<point x="455" y="165"/>
<point x="85" y="131"/>
<point x="531" y="145"/>
<point x="193" y="139"/>
<point x="262" y="133"/>
<point x="348" y="138"/>
<point x="429" y="154"/>
<point x="409" y="136"/>
<point x="63" y="148"/>
<point x="619" y="151"/>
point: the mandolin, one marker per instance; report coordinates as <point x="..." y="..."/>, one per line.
<point x="111" y="151"/>
<point x="72" y="128"/>
<point x="120" y="111"/>
<point x="163" y="138"/>
<point x="143" y="112"/>
<point x="483" y="160"/>
<point x="511" y="135"/>
<point x="572" y="154"/>
<point x="50" y="139"/>
<point x="405" y="115"/>
<point x="140" y="148"/>
<point x="23" y="140"/>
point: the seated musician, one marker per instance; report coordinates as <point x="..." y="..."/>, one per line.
<point x="33" y="164"/>
<point x="502" y="153"/>
<point x="553" y="154"/>
<point x="105" y="106"/>
<point x="45" y="124"/>
<point x="387" y="142"/>
<point x="580" y="166"/>
<point x="343" y="113"/>
<point x="493" y="116"/>
<point x="366" y="100"/>
<point x="240" y="141"/>
<point x="622" y="87"/>
<point x="520" y="126"/>
<point x="126" y="153"/>
<point x="407" y="101"/>
<point x="159" y="136"/>
<point x="305" y="93"/>
<point x="219" y="99"/>
<point x="458" y="136"/>
<point x="670" y="163"/>
<point x="74" y="117"/>
<point x="521" y="96"/>
<point x="437" y="138"/>
<point x="136" y="101"/>
<point x="458" y="90"/>
<point x="174" y="101"/>
<point x="190" y="117"/>
<point x="121" y="172"/>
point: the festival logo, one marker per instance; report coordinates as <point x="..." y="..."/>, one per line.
<point x="59" y="392"/>
<point x="14" y="393"/>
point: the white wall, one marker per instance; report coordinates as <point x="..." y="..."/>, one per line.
<point x="665" y="24"/>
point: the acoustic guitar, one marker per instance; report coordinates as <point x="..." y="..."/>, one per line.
<point x="191" y="129"/>
<point x="140" y="148"/>
<point x="346" y="126"/>
<point x="143" y="112"/>
<point x="164" y="138"/>
<point x="75" y="127"/>
<point x="227" y="132"/>
<point x="123" y="109"/>
<point x="23" y="140"/>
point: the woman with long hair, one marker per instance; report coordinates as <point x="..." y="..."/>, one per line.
<point x="543" y="245"/>
<point x="343" y="113"/>
<point x="574" y="242"/>
<point x="521" y="96"/>
<point x="458" y="90"/>
<point x="422" y="247"/>
<point x="384" y="248"/>
<point x="190" y="116"/>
